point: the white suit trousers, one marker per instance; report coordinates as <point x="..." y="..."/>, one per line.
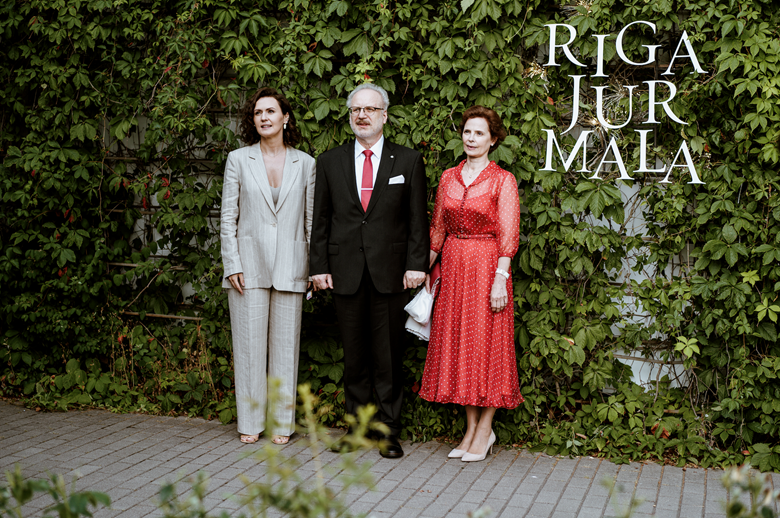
<point x="266" y="327"/>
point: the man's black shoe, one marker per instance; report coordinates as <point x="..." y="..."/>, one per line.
<point x="389" y="447"/>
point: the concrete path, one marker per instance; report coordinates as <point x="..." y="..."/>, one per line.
<point x="129" y="456"/>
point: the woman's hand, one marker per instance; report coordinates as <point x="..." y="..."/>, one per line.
<point x="237" y="281"/>
<point x="432" y="256"/>
<point x="498" y="295"/>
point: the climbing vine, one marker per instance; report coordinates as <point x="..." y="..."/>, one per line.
<point x="116" y="118"/>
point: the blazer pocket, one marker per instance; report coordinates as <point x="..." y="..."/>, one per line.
<point x="399" y="248"/>
<point x="333" y="249"/>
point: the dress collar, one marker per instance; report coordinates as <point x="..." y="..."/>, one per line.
<point x="484" y="174"/>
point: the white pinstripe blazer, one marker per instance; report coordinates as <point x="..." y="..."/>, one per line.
<point x="268" y="242"/>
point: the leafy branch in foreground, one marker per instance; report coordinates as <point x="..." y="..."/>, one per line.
<point x="68" y="503"/>
<point x="282" y="487"/>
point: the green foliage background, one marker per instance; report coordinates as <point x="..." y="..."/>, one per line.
<point x="115" y="111"/>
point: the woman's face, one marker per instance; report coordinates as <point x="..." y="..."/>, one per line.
<point x="269" y="119"/>
<point x="476" y="138"/>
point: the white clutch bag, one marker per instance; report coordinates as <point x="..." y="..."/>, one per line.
<point x="420" y="308"/>
<point x="423" y="332"/>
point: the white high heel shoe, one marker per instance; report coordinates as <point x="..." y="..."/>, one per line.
<point x="474" y="457"/>
<point x="456" y="453"/>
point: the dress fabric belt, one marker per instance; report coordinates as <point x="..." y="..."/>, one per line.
<point x="472" y="236"/>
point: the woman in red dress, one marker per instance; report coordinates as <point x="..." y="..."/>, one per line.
<point x="471" y="354"/>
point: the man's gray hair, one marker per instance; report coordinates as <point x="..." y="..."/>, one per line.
<point x="370" y="86"/>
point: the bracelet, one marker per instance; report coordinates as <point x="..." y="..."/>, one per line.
<point x="503" y="272"/>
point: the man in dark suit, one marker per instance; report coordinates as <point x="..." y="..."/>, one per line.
<point x="370" y="244"/>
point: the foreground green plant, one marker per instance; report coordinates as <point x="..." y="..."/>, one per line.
<point x="620" y="511"/>
<point x="743" y="485"/>
<point x="68" y="503"/>
<point x="282" y="487"/>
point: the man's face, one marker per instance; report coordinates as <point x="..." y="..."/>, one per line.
<point x="367" y="128"/>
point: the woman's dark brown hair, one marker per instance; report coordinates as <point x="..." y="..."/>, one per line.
<point x="495" y="124"/>
<point x="248" y="133"/>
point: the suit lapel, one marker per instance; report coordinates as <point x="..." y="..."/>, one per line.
<point x="348" y="166"/>
<point x="260" y="176"/>
<point x="383" y="175"/>
<point x="292" y="168"/>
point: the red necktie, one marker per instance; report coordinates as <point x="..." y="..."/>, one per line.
<point x="368" y="179"/>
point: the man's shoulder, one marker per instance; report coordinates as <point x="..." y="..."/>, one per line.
<point x="400" y="150"/>
<point x="337" y="151"/>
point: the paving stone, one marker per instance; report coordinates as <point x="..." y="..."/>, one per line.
<point x="137" y="512"/>
<point x="691" y="511"/>
<point x="565" y="504"/>
<point x="418" y="502"/>
<point x="436" y="510"/>
<point x="580" y="481"/>
<point x="574" y="493"/>
<point x="591" y="512"/>
<point x="547" y="496"/>
<point x="540" y="509"/>
<point x="594" y="501"/>
<point x="129" y="456"/>
<point x="521" y="500"/>
<point x="501" y="493"/>
<point x="475" y="497"/>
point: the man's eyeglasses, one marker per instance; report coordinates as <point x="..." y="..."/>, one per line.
<point x="370" y="110"/>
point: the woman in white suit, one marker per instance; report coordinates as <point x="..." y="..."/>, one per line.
<point x="267" y="202"/>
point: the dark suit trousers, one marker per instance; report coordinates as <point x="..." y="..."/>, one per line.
<point x="372" y="328"/>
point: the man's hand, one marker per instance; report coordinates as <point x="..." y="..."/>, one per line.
<point x="413" y="278"/>
<point x="237" y="281"/>
<point x="323" y="281"/>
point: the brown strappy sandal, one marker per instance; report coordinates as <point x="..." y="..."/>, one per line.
<point x="250" y="439"/>
<point x="280" y="439"/>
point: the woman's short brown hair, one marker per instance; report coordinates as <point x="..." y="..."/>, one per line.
<point x="248" y="133"/>
<point x="495" y="124"/>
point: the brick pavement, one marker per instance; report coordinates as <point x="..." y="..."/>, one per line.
<point x="130" y="456"/>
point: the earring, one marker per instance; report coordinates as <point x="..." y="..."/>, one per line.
<point x="285" y="125"/>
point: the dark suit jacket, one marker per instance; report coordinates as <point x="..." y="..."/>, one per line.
<point x="390" y="237"/>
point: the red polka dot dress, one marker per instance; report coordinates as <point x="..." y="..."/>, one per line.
<point x="471" y="353"/>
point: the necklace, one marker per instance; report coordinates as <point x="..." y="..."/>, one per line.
<point x="273" y="155"/>
<point x="470" y="173"/>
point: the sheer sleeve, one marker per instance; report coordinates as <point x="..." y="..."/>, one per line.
<point x="508" y="217"/>
<point x="438" y="228"/>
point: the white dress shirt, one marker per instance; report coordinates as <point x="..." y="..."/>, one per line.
<point x="360" y="158"/>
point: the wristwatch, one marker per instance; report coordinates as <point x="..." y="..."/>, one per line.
<point x="502" y="272"/>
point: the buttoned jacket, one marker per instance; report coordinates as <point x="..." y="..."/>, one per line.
<point x="268" y="242"/>
<point x="389" y="237"/>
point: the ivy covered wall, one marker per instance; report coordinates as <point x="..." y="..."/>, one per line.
<point x="116" y="118"/>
